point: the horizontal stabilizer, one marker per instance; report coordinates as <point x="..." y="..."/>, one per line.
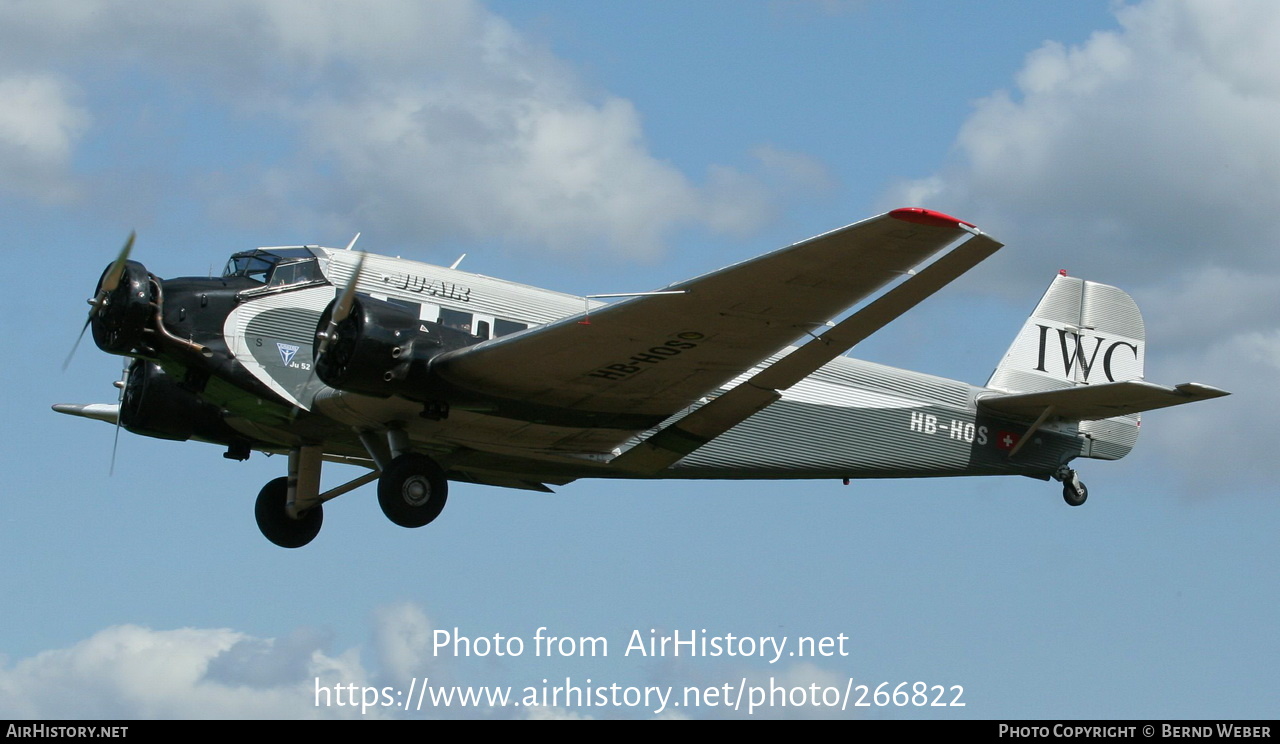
<point x="1094" y="402"/>
<point x="108" y="412"/>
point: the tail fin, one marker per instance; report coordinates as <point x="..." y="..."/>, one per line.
<point x="1079" y="357"/>
<point x="1081" y="333"/>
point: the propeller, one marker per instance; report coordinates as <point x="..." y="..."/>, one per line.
<point x="341" y="310"/>
<point x="110" y="281"/>
<point x="121" y="384"/>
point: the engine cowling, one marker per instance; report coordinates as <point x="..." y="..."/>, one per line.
<point x="120" y="320"/>
<point x="154" y="404"/>
<point x="382" y="349"/>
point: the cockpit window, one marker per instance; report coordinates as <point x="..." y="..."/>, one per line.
<point x="295" y="272"/>
<point x="277" y="267"/>
<point x="252" y="266"/>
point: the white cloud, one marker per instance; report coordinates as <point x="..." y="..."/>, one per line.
<point x="1141" y="149"/>
<point x="1147" y="157"/>
<point x="428" y="121"/>
<point x="1227" y="447"/>
<point x="810" y="692"/>
<point x="39" y="127"/>
<point x="799" y="171"/>
<point x="538" y="713"/>
<point x="567" y="174"/>
<point x="128" y="671"/>
<point x="402" y="638"/>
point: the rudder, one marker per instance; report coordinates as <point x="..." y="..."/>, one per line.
<point x="1080" y="333"/>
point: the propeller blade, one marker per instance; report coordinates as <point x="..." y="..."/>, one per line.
<point x="110" y="281"/>
<point x="341" y="308"/>
<point x="67" y="362"/>
<point x="115" y="444"/>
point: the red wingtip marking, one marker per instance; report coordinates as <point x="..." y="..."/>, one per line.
<point x="922" y="216"/>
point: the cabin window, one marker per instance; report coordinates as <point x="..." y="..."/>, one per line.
<point x="504" y="327"/>
<point x="412" y="307"/>
<point x="455" y="319"/>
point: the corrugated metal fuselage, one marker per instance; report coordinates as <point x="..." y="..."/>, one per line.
<point x="856" y="419"/>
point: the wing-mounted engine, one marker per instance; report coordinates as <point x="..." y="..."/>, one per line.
<point x="382" y="349"/>
<point x="154" y="404"/>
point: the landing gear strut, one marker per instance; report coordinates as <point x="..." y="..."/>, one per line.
<point x="289" y="510"/>
<point x="1074" y="491"/>
<point x="412" y="489"/>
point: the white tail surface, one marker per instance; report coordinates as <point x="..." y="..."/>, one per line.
<point x="1079" y="358"/>
<point x="1081" y="333"/>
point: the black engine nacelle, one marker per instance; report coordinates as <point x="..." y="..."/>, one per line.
<point x="383" y="349"/>
<point x="120" y="321"/>
<point x="156" y="405"/>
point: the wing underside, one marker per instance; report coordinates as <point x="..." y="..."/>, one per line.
<point x="654" y="355"/>
<point x="629" y="366"/>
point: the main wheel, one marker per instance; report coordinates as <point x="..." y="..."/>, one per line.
<point x="412" y="490"/>
<point x="1074" y="497"/>
<point x="275" y="522"/>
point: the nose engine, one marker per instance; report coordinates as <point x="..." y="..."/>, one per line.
<point x="123" y="302"/>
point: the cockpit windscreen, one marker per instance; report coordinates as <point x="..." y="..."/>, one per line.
<point x="276" y="266"/>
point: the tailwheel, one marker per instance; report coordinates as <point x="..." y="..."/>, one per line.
<point x="412" y="490"/>
<point x="1075" y="495"/>
<point x="1074" y="491"/>
<point x="274" y="520"/>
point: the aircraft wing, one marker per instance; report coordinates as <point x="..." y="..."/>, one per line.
<point x="634" y="363"/>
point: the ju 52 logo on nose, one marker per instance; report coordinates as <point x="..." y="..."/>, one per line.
<point x="286" y="352"/>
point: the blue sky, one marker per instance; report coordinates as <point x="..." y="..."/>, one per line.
<point x="607" y="147"/>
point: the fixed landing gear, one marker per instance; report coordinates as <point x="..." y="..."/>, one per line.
<point x="1074" y="491"/>
<point x="271" y="511"/>
<point x="412" y="490"/>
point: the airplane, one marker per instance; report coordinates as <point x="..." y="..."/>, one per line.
<point x="426" y="374"/>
